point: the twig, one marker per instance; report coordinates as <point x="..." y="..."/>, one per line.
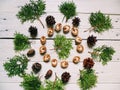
<point x="55" y="81"/>
<point x="63" y="18"/>
<point x="41" y="23"/>
<point x="90" y="29"/>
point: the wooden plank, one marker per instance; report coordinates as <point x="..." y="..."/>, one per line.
<point x="106" y="74"/>
<point x="13" y="86"/>
<point x="8" y="48"/>
<point x="84" y="6"/>
<point x="9" y="24"/>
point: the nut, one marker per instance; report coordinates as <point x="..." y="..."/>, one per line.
<point x="46" y="58"/>
<point x="76" y="59"/>
<point x="74" y="31"/>
<point x="50" y="32"/>
<point x="58" y="27"/>
<point x="78" y="40"/>
<point x="43" y="40"/>
<point x="31" y="53"/>
<point x="66" y="29"/>
<point x="48" y="74"/>
<point x="54" y="62"/>
<point x="80" y="48"/>
<point x="64" y="64"/>
<point x="42" y="50"/>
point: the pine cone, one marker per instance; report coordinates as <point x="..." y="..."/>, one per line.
<point x="88" y="63"/>
<point x="76" y="21"/>
<point x="33" y="31"/>
<point x="50" y="20"/>
<point x="48" y="74"/>
<point x="91" y="41"/>
<point x="36" y="67"/>
<point x="65" y="77"/>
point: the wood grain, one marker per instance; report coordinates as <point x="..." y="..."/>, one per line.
<point x="108" y="76"/>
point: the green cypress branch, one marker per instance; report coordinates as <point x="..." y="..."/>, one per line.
<point x="88" y="79"/>
<point x="103" y="54"/>
<point x="32" y="11"/>
<point x="68" y="9"/>
<point x="99" y="22"/>
<point x="31" y="82"/>
<point x="16" y="66"/>
<point x="21" y="42"/>
<point x="57" y="84"/>
<point x="62" y="46"/>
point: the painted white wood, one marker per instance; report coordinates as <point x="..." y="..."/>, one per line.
<point x="108" y="76"/>
<point x="84" y="6"/>
<point x="15" y="86"/>
<point x="11" y="25"/>
<point x="8" y="47"/>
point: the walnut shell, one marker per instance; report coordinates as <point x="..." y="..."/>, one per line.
<point x="78" y="40"/>
<point x="74" y="31"/>
<point x="42" y="50"/>
<point x="64" y="64"/>
<point x="76" y="59"/>
<point x="58" y="27"/>
<point x="43" y="40"/>
<point x="54" y="62"/>
<point x="46" y="58"/>
<point x="66" y="29"/>
<point x="80" y="48"/>
<point x="50" y="32"/>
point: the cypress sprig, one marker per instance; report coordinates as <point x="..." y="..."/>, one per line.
<point x="21" y="42"/>
<point x="99" y="22"/>
<point x="62" y="46"/>
<point x="88" y="79"/>
<point x="68" y="9"/>
<point x="57" y="84"/>
<point x="31" y="82"/>
<point x="103" y="54"/>
<point x="16" y="66"/>
<point x="32" y="11"/>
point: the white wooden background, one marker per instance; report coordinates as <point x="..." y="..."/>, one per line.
<point x="108" y="76"/>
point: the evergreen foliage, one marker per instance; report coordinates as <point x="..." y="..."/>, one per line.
<point x="103" y="54"/>
<point x="68" y="9"/>
<point x="16" y="66"/>
<point x="62" y="46"/>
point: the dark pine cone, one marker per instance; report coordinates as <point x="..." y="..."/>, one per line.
<point x="65" y="77"/>
<point x="48" y="74"/>
<point x="33" y="31"/>
<point x="91" y="41"/>
<point x="50" y="20"/>
<point x="88" y="63"/>
<point x="36" y="67"/>
<point x="76" y="21"/>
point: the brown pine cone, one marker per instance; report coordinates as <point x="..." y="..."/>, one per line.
<point x="36" y="67"/>
<point x="76" y="21"/>
<point x="50" y="20"/>
<point x="65" y="77"/>
<point x="33" y="31"/>
<point x="91" y="41"/>
<point x="88" y="63"/>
